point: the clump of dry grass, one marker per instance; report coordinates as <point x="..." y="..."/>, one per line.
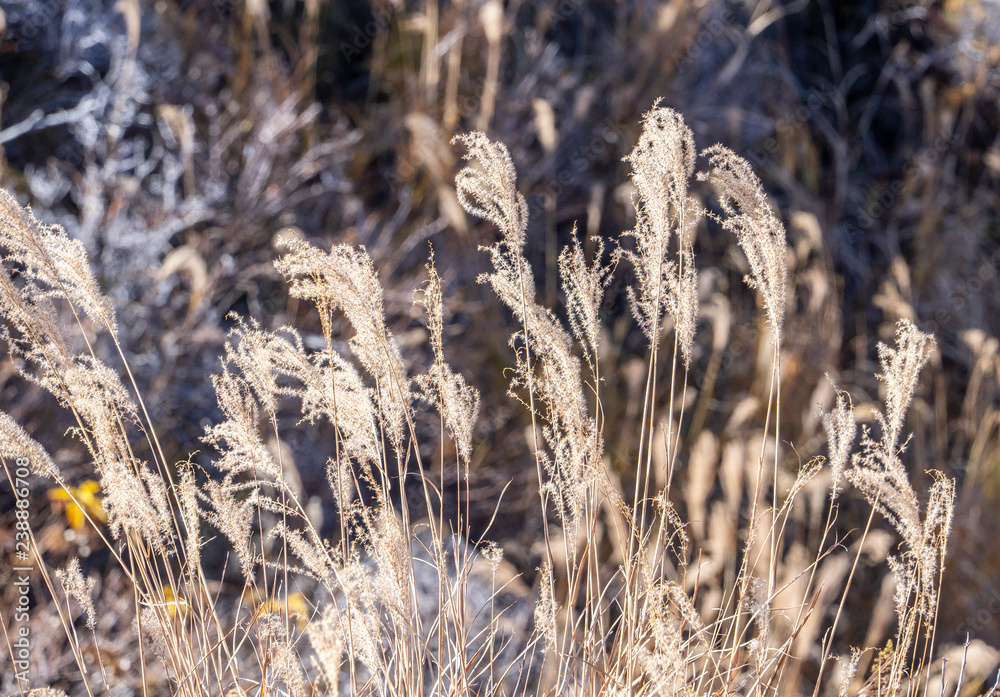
<point x="546" y="365"/>
<point x="400" y="602"/>
<point x="879" y="474"/>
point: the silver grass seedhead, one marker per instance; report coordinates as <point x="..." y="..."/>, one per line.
<point x="878" y="472"/>
<point x="553" y="373"/>
<point x="187" y="498"/>
<point x="489" y="188"/>
<point x="841" y="428"/>
<point x="360" y="619"/>
<point x="262" y="366"/>
<point x="664" y="659"/>
<point x="877" y="469"/>
<point x="97" y="394"/>
<point x="282" y="658"/>
<point x="584" y="285"/>
<point x="662" y="165"/>
<point x="455" y="399"/>
<point x="234" y="518"/>
<point x="79" y="588"/>
<point x="682" y="304"/>
<point x="387" y="544"/>
<point x="136" y="503"/>
<point x="546" y="608"/>
<point x="344" y="279"/>
<point x="308" y="548"/>
<point x="152" y="631"/>
<point x="135" y="499"/>
<point x="936" y="531"/>
<point x="49" y="257"/>
<point x="901" y="366"/>
<point x="238" y="436"/>
<point x="758" y="230"/>
<point x="883" y="480"/>
<point x="29" y="311"/>
<point x="848" y="669"/>
<point x="16" y="443"/>
<point x="758" y="604"/>
<point x="687" y="611"/>
<point x="329" y="644"/>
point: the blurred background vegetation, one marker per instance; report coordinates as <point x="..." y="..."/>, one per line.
<point x="178" y="139"/>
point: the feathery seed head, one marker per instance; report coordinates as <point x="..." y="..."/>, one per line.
<point x="662" y="164"/>
<point x="234" y="518"/>
<point x="901" y="368"/>
<point x="584" y="286"/>
<point x="16" y="443"/>
<point x="328" y="642"/>
<point x="191" y="515"/>
<point x="238" y="437"/>
<point x="135" y="502"/>
<point x="282" y="658"/>
<point x="77" y="587"/>
<point x="489" y="189"/>
<point x="546" y="607"/>
<point x="344" y="279"/>
<point x="880" y="475"/>
<point x="758" y="604"/>
<point x="840" y="427"/>
<point x="456" y="400"/>
<point x="554" y="377"/>
<point x="758" y="230"/>
<point x="51" y="258"/>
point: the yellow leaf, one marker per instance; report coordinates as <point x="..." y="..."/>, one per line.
<point x="80" y="502"/>
<point x="87" y="497"/>
<point x="75" y="517"/>
<point x="58" y="494"/>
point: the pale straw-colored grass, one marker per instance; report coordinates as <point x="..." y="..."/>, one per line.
<point x="402" y="600"/>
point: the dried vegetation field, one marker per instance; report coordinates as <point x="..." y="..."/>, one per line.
<point x="481" y="348"/>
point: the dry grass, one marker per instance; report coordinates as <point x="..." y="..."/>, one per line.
<point x="350" y="472"/>
<point x="403" y="598"/>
